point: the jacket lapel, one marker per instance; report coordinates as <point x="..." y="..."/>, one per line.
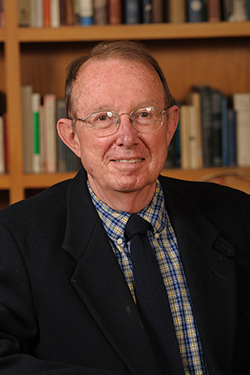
<point x="210" y="273"/>
<point x="100" y="284"/>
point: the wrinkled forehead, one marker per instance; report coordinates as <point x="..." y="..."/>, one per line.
<point x="116" y="73"/>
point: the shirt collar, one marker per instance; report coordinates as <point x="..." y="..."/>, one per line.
<point x="114" y="221"/>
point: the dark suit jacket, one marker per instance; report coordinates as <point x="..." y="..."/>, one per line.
<point x="65" y="307"/>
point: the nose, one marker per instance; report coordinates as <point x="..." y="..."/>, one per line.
<point x="126" y="133"/>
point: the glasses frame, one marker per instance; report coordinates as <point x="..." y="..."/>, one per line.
<point x="119" y="121"/>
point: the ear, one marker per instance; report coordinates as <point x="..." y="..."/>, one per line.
<point x="173" y="118"/>
<point x="67" y="134"/>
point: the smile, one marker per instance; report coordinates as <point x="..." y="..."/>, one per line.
<point x="131" y="161"/>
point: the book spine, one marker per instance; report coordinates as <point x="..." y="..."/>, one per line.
<point x="216" y="127"/>
<point x="131" y="12"/>
<point x="147" y="11"/>
<point x="241" y="103"/>
<point x="224" y="131"/>
<point x="100" y="12"/>
<point x="39" y="18"/>
<point x="24" y="13"/>
<point x="46" y="13"/>
<point x="239" y="11"/>
<point x="213" y="10"/>
<point x="232" y="147"/>
<point x="176" y="11"/>
<point x="54" y="13"/>
<point x="158" y="10"/>
<point x="248" y="9"/>
<point x="206" y="124"/>
<point x="184" y="136"/>
<point x="70" y="16"/>
<point x="49" y="101"/>
<point x="26" y="94"/>
<point x="36" y="101"/>
<point x="86" y="12"/>
<point x="194" y="10"/>
<point x="115" y="12"/>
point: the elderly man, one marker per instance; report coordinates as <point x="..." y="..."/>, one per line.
<point x="120" y="270"/>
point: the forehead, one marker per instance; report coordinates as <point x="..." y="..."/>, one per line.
<point x="115" y="76"/>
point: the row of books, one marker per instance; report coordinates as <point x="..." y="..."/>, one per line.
<point x="213" y="131"/>
<point x="43" y="150"/>
<point x="55" y="13"/>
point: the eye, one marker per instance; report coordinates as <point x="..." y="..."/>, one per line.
<point x="144" y="114"/>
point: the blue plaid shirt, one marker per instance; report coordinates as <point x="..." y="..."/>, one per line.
<point x="164" y="243"/>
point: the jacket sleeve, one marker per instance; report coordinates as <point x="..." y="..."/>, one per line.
<point x="18" y="323"/>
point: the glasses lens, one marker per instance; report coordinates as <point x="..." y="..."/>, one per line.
<point x="104" y="123"/>
<point x="147" y="119"/>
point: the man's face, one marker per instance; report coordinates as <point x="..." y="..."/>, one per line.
<point x="127" y="161"/>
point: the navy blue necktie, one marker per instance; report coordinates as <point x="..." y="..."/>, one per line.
<point x="152" y="298"/>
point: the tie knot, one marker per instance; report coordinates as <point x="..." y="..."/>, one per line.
<point x="136" y="225"/>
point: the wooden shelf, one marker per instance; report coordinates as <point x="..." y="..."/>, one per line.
<point x="136" y="32"/>
<point x="4" y="182"/>
<point x="2" y="35"/>
<point x="43" y="180"/>
<point x="203" y="174"/>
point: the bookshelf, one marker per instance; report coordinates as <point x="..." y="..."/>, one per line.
<point x="203" y="53"/>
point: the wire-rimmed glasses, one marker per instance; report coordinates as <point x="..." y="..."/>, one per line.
<point x="106" y="122"/>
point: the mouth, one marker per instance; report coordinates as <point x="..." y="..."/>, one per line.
<point x="129" y="161"/>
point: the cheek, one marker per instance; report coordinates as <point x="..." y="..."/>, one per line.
<point x="92" y="152"/>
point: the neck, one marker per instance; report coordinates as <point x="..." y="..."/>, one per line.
<point x="132" y="202"/>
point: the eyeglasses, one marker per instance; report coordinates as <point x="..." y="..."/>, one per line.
<point x="105" y="123"/>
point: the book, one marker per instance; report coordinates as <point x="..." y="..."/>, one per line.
<point x="49" y="104"/>
<point x="227" y="9"/>
<point x="224" y="131"/>
<point x="61" y="147"/>
<point x="194" y="99"/>
<point x="24" y="13"/>
<point x="55" y="13"/>
<point x="248" y="9"/>
<point x="216" y="97"/>
<point x="100" y="12"/>
<point x="27" y="124"/>
<point x="158" y="10"/>
<point x="214" y="10"/>
<point x="189" y="141"/>
<point x="206" y="123"/>
<point x="131" y="12"/>
<point x="76" y="13"/>
<point x="232" y="137"/>
<point x="46" y="13"/>
<point x="35" y="105"/>
<point x="176" y="11"/>
<point x="195" y="11"/>
<point x="239" y="11"/>
<point x="36" y="13"/>
<point x="241" y="103"/>
<point x="69" y="12"/>
<point x="86" y="12"/>
<point x="147" y="11"/>
<point x="62" y="7"/>
<point x="115" y="12"/>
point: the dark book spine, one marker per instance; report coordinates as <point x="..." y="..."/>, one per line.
<point x="216" y="127"/>
<point x="195" y="11"/>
